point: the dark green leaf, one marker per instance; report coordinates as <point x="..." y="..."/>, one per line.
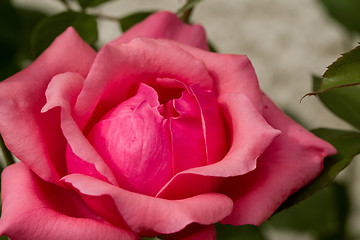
<point x="324" y="214"/>
<point x="3" y="237"/>
<point x="91" y="3"/>
<point x="230" y="232"/>
<point x="345" y="71"/>
<point x="344" y="102"/>
<point x="212" y="47"/>
<point x="49" y="28"/>
<point x="347" y="144"/>
<point x="345" y="12"/>
<point x="132" y="19"/>
<point x="28" y="19"/>
<point x="9" y="24"/>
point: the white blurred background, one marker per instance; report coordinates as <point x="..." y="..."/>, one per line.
<point x="287" y="42"/>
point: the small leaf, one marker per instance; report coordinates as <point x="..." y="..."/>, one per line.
<point x="132" y="19"/>
<point x="3" y="237"/>
<point x="51" y="27"/>
<point x="91" y="3"/>
<point x="346" y="12"/>
<point x="347" y="144"/>
<point x="230" y="232"/>
<point x="345" y="71"/>
<point x="343" y="102"/>
<point x="212" y="47"/>
<point x="187" y="6"/>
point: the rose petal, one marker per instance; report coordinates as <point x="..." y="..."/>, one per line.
<point x="62" y="92"/>
<point x="213" y="124"/>
<point x="291" y="162"/>
<point x="33" y="137"/>
<point x="188" y="143"/>
<point x="241" y="116"/>
<point x="145" y="214"/>
<point x="207" y="232"/>
<point x="193" y="232"/>
<point x="134" y="140"/>
<point x="34" y="209"/>
<point x="141" y="60"/>
<point x="231" y="73"/>
<point x="168" y="26"/>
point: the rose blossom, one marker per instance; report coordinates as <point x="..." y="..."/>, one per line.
<point x="151" y="136"/>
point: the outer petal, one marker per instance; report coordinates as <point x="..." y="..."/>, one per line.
<point x="142" y="60"/>
<point x="246" y="147"/>
<point x="148" y="215"/>
<point x="34" y="209"/>
<point x="231" y="73"/>
<point x="166" y="25"/>
<point x="291" y="161"/>
<point x="33" y="137"/>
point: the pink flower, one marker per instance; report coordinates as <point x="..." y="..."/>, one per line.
<point x="151" y="136"/>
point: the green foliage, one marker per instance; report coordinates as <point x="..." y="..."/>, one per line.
<point x="230" y="232"/>
<point x="345" y="71"/>
<point x="16" y="25"/>
<point x="347" y="144"/>
<point x="343" y="102"/>
<point x="324" y="215"/>
<point x="91" y="3"/>
<point x="132" y="19"/>
<point x="49" y="28"/>
<point x="346" y="12"/>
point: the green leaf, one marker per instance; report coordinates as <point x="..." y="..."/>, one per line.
<point x="345" y="71"/>
<point x="91" y="3"/>
<point x="324" y="214"/>
<point x="132" y="19"/>
<point x="346" y="12"/>
<point x="347" y="144"/>
<point x="9" y="25"/>
<point x="29" y="20"/>
<point x="212" y="47"/>
<point x="230" y="232"/>
<point x="343" y="102"/>
<point x="187" y="6"/>
<point x="51" y="27"/>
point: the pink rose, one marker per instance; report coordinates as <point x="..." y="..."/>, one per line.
<point x="147" y="137"/>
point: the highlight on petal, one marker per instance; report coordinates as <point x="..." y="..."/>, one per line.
<point x="34" y="209"/>
<point x="292" y="160"/>
<point x="33" y="137"/>
<point x="149" y="215"/>
<point x="168" y="26"/>
<point x="134" y="140"/>
<point x="242" y="157"/>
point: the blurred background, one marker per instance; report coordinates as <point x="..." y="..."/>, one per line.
<point x="287" y="42"/>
